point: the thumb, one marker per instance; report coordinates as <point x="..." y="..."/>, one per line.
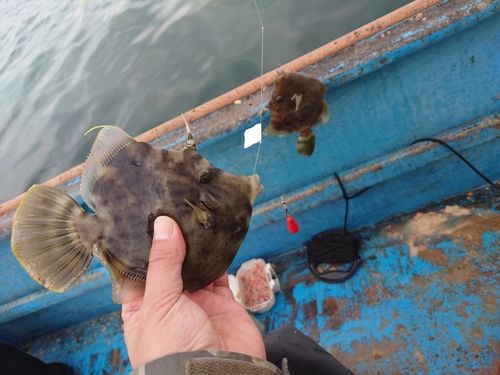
<point x="164" y="280"/>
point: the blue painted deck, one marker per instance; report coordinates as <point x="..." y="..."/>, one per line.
<point x="424" y="301"/>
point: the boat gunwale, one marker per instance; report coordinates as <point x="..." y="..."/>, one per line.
<point x="335" y="46"/>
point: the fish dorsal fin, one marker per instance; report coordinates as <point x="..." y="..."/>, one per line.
<point x="109" y="141"/>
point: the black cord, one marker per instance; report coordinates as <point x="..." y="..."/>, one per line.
<point x="460" y="156"/>
<point x="346" y="198"/>
<point x="340" y="247"/>
<point x="335" y="247"/>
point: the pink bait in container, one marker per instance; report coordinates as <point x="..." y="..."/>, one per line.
<point x="254" y="285"/>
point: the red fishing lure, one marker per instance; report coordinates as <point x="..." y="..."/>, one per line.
<point x="292" y="225"/>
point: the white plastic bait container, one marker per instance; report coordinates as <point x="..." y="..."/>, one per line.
<point x="254" y="285"/>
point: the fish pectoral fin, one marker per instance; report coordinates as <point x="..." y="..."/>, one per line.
<point x="298" y="100"/>
<point x="127" y="286"/>
<point x="207" y="218"/>
<point x="45" y="239"/>
<point x="109" y="141"/>
<point x="325" y="114"/>
<point x="270" y="131"/>
<point x="306" y="143"/>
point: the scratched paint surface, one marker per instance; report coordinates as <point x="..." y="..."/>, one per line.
<point x="94" y="348"/>
<point x="425" y="300"/>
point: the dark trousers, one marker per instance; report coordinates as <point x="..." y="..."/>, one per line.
<point x="16" y="362"/>
<point x="304" y="355"/>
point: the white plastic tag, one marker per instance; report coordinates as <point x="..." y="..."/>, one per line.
<point x="253" y="135"/>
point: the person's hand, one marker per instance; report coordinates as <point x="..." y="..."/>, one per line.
<point x="167" y="320"/>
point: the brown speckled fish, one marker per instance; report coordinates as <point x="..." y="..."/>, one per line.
<point x="128" y="184"/>
<point x="296" y="105"/>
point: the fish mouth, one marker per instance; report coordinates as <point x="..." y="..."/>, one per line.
<point x="257" y="187"/>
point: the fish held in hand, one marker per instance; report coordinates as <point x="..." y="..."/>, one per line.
<point x="297" y="105"/>
<point x="128" y="184"/>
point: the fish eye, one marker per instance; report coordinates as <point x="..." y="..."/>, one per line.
<point x="203" y="177"/>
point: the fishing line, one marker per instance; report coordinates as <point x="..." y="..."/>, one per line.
<point x="469" y="164"/>
<point x="261" y="74"/>
<point x="257" y="158"/>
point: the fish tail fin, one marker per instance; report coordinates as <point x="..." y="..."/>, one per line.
<point x="45" y="239"/>
<point x="127" y="286"/>
<point x="306" y="143"/>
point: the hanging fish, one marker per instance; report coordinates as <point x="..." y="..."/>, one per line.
<point x="128" y="184"/>
<point x="296" y="105"/>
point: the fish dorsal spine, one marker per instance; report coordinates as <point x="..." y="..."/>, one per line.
<point x="109" y="141"/>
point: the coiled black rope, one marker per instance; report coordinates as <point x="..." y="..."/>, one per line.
<point x="335" y="247"/>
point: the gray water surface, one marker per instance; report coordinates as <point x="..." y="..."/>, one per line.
<point x="66" y="66"/>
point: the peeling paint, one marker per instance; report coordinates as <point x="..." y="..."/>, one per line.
<point x="424" y="226"/>
<point x="452" y="223"/>
<point x="411" y="33"/>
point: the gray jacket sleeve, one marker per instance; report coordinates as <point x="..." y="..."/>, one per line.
<point x="203" y="362"/>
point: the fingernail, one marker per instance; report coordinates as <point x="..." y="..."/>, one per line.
<point x="163" y="228"/>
